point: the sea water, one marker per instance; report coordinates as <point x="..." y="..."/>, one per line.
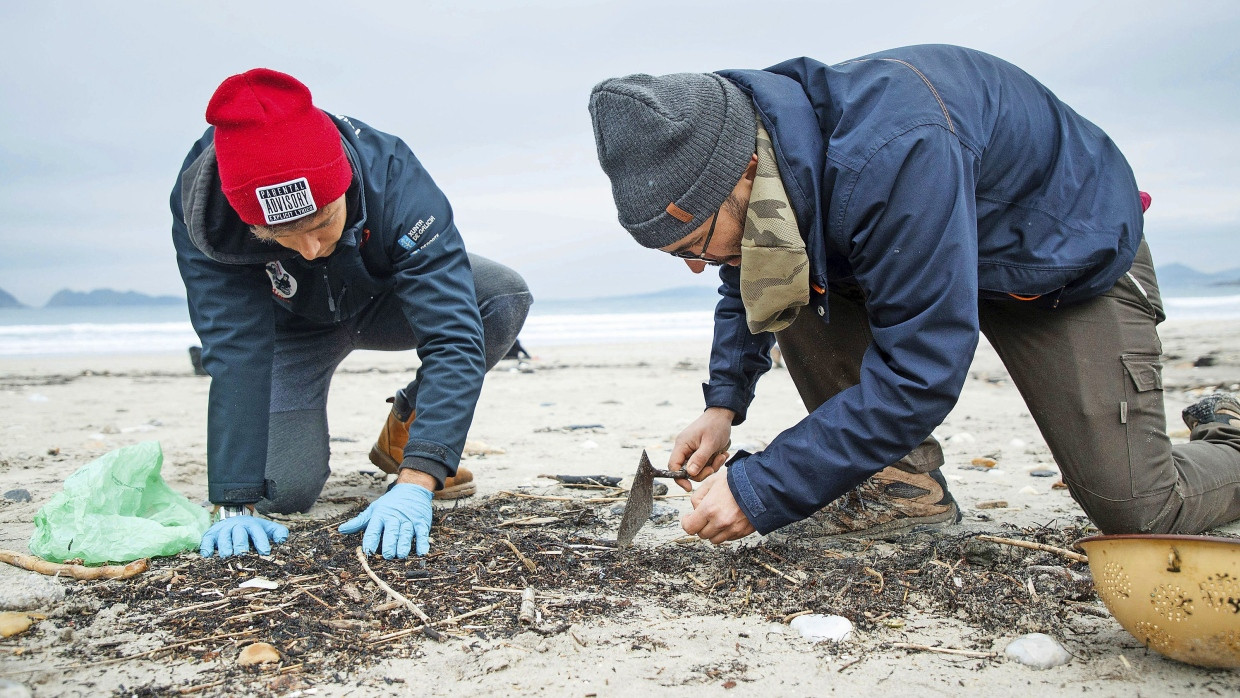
<point x="33" y="332"/>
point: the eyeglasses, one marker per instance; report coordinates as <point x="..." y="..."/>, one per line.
<point x="686" y="254"/>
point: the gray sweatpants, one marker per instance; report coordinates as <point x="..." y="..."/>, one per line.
<point x="306" y="357"/>
<point x="1091" y="376"/>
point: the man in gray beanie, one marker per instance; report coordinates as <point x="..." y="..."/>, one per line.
<point x="875" y="217"/>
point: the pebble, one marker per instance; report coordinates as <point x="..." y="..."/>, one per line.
<point x="17" y="495"/>
<point x="12" y="689"/>
<point x="1029" y="490"/>
<point x="258" y="653"/>
<point x="37" y="397"/>
<point x="817" y="627"/>
<point x="589" y="444"/>
<point x="1044" y="472"/>
<point x="1016" y="444"/>
<point x="993" y="504"/>
<point x="985" y="462"/>
<point x="1037" y="650"/>
<point x="21" y="591"/>
<point x="963" y="437"/>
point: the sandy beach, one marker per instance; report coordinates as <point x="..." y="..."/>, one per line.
<point x="584" y="410"/>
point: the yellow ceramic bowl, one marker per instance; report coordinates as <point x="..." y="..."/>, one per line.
<point x="1178" y="595"/>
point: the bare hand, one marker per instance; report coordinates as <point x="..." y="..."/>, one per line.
<point x="715" y="516"/>
<point x="701" y="449"/>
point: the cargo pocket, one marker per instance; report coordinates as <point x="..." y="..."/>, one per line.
<point x="1149" y="450"/>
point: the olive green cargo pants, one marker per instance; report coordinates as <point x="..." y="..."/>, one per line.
<point x="1091" y="376"/>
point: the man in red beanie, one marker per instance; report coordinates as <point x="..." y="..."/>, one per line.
<point x="301" y="237"/>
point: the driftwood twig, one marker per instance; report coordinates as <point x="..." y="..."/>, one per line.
<point x="54" y="569"/>
<point x="397" y="596"/>
<point x="1075" y="557"/>
<point x="944" y="650"/>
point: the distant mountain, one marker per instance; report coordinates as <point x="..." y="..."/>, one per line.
<point x="1178" y="279"/>
<point x="107" y="297"/>
<point x="8" y="301"/>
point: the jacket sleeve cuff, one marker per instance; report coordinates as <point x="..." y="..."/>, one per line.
<point x="732" y="397"/>
<point x="746" y="498"/>
<point x="435" y="469"/>
<point x="234" y="494"/>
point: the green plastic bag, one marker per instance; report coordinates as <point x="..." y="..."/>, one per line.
<point x="117" y="508"/>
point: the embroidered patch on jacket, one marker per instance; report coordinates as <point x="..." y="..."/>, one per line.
<point x="410" y="239"/>
<point x="286" y="201"/>
<point x="282" y="283"/>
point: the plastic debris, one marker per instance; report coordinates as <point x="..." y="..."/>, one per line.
<point x="117" y="508"/>
<point x="258" y="583"/>
<point x="817" y="627"/>
<point x="1037" y="650"/>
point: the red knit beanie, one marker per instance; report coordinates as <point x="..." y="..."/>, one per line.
<point x="280" y="158"/>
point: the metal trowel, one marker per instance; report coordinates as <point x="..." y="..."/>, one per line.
<point x="641" y="499"/>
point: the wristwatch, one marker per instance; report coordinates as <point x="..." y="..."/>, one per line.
<point x="227" y="511"/>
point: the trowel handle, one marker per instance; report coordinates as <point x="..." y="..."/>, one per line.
<point x="674" y="474"/>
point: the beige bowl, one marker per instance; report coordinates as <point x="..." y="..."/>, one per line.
<point x="1178" y="595"/>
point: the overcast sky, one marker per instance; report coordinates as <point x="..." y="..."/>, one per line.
<point x="100" y="101"/>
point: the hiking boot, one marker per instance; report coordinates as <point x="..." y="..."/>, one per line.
<point x="1219" y="407"/>
<point x="891" y="502"/>
<point x="389" y="450"/>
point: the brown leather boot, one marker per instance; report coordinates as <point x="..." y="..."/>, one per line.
<point x="389" y="451"/>
<point x="888" y="504"/>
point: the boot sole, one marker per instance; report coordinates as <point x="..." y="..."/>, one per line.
<point x="389" y="465"/>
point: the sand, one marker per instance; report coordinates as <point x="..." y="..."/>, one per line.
<point x="60" y="413"/>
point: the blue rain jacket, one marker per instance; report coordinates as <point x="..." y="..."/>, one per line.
<point x="400" y="238"/>
<point x="930" y="177"/>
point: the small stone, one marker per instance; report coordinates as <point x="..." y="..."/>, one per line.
<point x="963" y="437"/>
<point x="1029" y="490"/>
<point x="1037" y="650"/>
<point x="258" y="653"/>
<point x="663" y="514"/>
<point x="17" y="495"/>
<point x="37" y="397"/>
<point x="985" y="462"/>
<point x="1016" y="444"/>
<point x="589" y="444"/>
<point x="1043" y="472"/>
<point x="1059" y="485"/>
<point x="817" y="627"/>
<point x="12" y="689"/>
<point x="993" y="504"/>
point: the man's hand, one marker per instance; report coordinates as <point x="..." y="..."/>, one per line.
<point x="701" y="449"/>
<point x="395" y="519"/>
<point x="232" y="535"/>
<point x="715" y="516"/>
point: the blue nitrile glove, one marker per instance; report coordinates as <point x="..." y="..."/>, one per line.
<point x="396" y="517"/>
<point x="232" y="532"/>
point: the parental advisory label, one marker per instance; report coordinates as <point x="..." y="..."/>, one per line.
<point x="286" y="201"/>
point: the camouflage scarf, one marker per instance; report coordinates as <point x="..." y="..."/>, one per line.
<point x="774" y="266"/>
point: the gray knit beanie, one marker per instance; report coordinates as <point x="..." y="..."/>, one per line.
<point x="674" y="147"/>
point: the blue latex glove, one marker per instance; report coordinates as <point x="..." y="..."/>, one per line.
<point x="395" y="518"/>
<point x="232" y="536"/>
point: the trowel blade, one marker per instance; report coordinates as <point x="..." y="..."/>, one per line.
<point x="641" y="502"/>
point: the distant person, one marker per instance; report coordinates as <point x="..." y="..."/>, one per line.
<point x="875" y="216"/>
<point x="301" y="237"/>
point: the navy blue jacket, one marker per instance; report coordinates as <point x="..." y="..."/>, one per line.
<point x="400" y="239"/>
<point x="930" y="177"/>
